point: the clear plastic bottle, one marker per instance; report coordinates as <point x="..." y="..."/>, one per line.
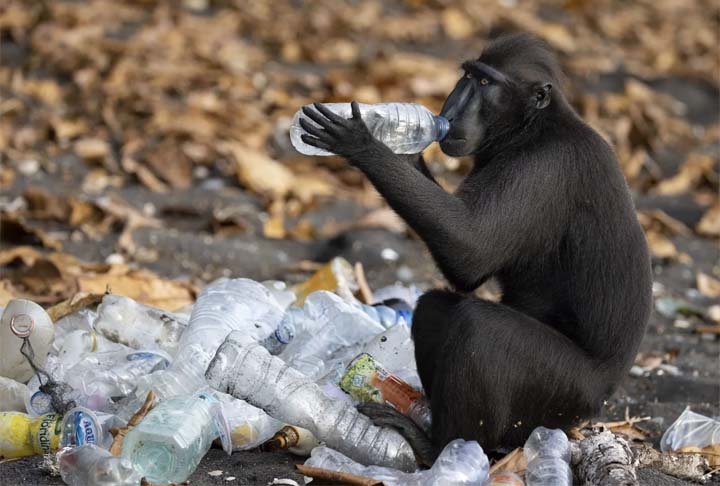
<point x="393" y="348"/>
<point x="23" y="319"/>
<point x="125" y="321"/>
<point x="13" y="395"/>
<point x="387" y="316"/>
<point x="292" y="323"/>
<point x="90" y="465"/>
<point x="330" y="323"/>
<point x="168" y="444"/>
<point x="247" y="371"/>
<point x="460" y="463"/>
<point x="548" y="453"/>
<point x="406" y="128"/>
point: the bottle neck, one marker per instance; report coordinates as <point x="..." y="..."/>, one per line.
<point x="443" y="127"/>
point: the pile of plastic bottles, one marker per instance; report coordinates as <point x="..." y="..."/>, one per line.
<point x="251" y="363"/>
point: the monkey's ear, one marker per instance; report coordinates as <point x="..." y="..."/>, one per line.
<point x="542" y="95"/>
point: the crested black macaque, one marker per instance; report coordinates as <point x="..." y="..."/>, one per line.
<point x="546" y="212"/>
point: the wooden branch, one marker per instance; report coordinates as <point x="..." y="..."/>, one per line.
<point x="608" y="460"/>
<point x="365" y="292"/>
<point x="119" y="434"/>
<point x="680" y="465"/>
<point x="336" y="477"/>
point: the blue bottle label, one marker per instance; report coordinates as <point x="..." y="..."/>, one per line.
<point x="81" y="426"/>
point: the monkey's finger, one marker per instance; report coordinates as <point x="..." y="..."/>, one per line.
<point x="318" y="118"/>
<point x="315" y="142"/>
<point x="355" y="110"/>
<point x="335" y="118"/>
<point x="313" y="130"/>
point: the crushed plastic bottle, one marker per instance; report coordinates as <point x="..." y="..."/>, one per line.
<point x="460" y="463"/>
<point x="548" y="454"/>
<point x="366" y="380"/>
<point x="90" y="465"/>
<point x="247" y="371"/>
<point x="393" y="348"/>
<point x="292" y="323"/>
<point x="223" y="306"/>
<point x="387" y="316"/>
<point x="125" y="321"/>
<point x="12" y="395"/>
<point x="23" y="319"/>
<point x="168" y="444"/>
<point x="249" y="426"/>
<point x="330" y="324"/>
<point x="691" y="429"/>
<point x="406" y="128"/>
<point x="114" y="373"/>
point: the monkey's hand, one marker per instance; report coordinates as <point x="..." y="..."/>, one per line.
<point x="349" y="138"/>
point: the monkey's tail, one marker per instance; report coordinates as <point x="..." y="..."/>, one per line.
<point x="386" y="416"/>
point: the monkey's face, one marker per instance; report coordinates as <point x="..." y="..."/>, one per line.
<point x="473" y="107"/>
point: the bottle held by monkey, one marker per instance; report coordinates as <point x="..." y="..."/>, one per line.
<point x="406" y="128"/>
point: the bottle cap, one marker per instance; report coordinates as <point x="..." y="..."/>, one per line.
<point x="443" y="127"/>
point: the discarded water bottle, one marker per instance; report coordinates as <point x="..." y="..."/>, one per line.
<point x="23" y="319"/>
<point x="249" y="426"/>
<point x="125" y="321"/>
<point x="13" y="395"/>
<point x="331" y="323"/>
<point x="90" y="465"/>
<point x="548" y="453"/>
<point x="247" y="371"/>
<point x="460" y="463"/>
<point x="394" y="348"/>
<point x="406" y="128"/>
<point x="292" y="323"/>
<point x="387" y="316"/>
<point x="168" y="444"/>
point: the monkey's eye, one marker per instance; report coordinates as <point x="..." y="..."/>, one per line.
<point x="484" y="81"/>
<point x="468" y="75"/>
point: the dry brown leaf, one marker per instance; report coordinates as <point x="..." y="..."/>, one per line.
<point x="661" y="246"/>
<point x="457" y="24"/>
<point x="78" y="301"/>
<point x="707" y="285"/>
<point x="274" y="226"/>
<point x="258" y="172"/>
<point x="512" y="462"/>
<point x="140" y="285"/>
<point x="16" y="231"/>
<point x="709" y="225"/>
<point x="91" y="148"/>
<point x="690" y="173"/>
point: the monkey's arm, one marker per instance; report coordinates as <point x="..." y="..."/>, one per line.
<point x="468" y="243"/>
<point x="418" y="162"/>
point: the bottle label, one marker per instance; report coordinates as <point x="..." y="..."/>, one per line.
<point x="366" y="380"/>
<point x="163" y="363"/>
<point x="80" y="426"/>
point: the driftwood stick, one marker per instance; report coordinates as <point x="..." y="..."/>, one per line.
<point x="691" y="467"/>
<point x="336" y="477"/>
<point x="608" y="460"/>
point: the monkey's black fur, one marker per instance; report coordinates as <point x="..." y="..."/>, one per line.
<point x="546" y="212"/>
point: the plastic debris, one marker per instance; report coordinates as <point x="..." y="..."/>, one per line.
<point x="691" y="429"/>
<point x="297" y="440"/>
<point x="168" y="444"/>
<point x="247" y="371"/>
<point x="366" y="380"/>
<point x="548" y="455"/>
<point x="90" y="465"/>
<point x="13" y="395"/>
<point x="460" y="463"/>
<point x="23" y="319"/>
